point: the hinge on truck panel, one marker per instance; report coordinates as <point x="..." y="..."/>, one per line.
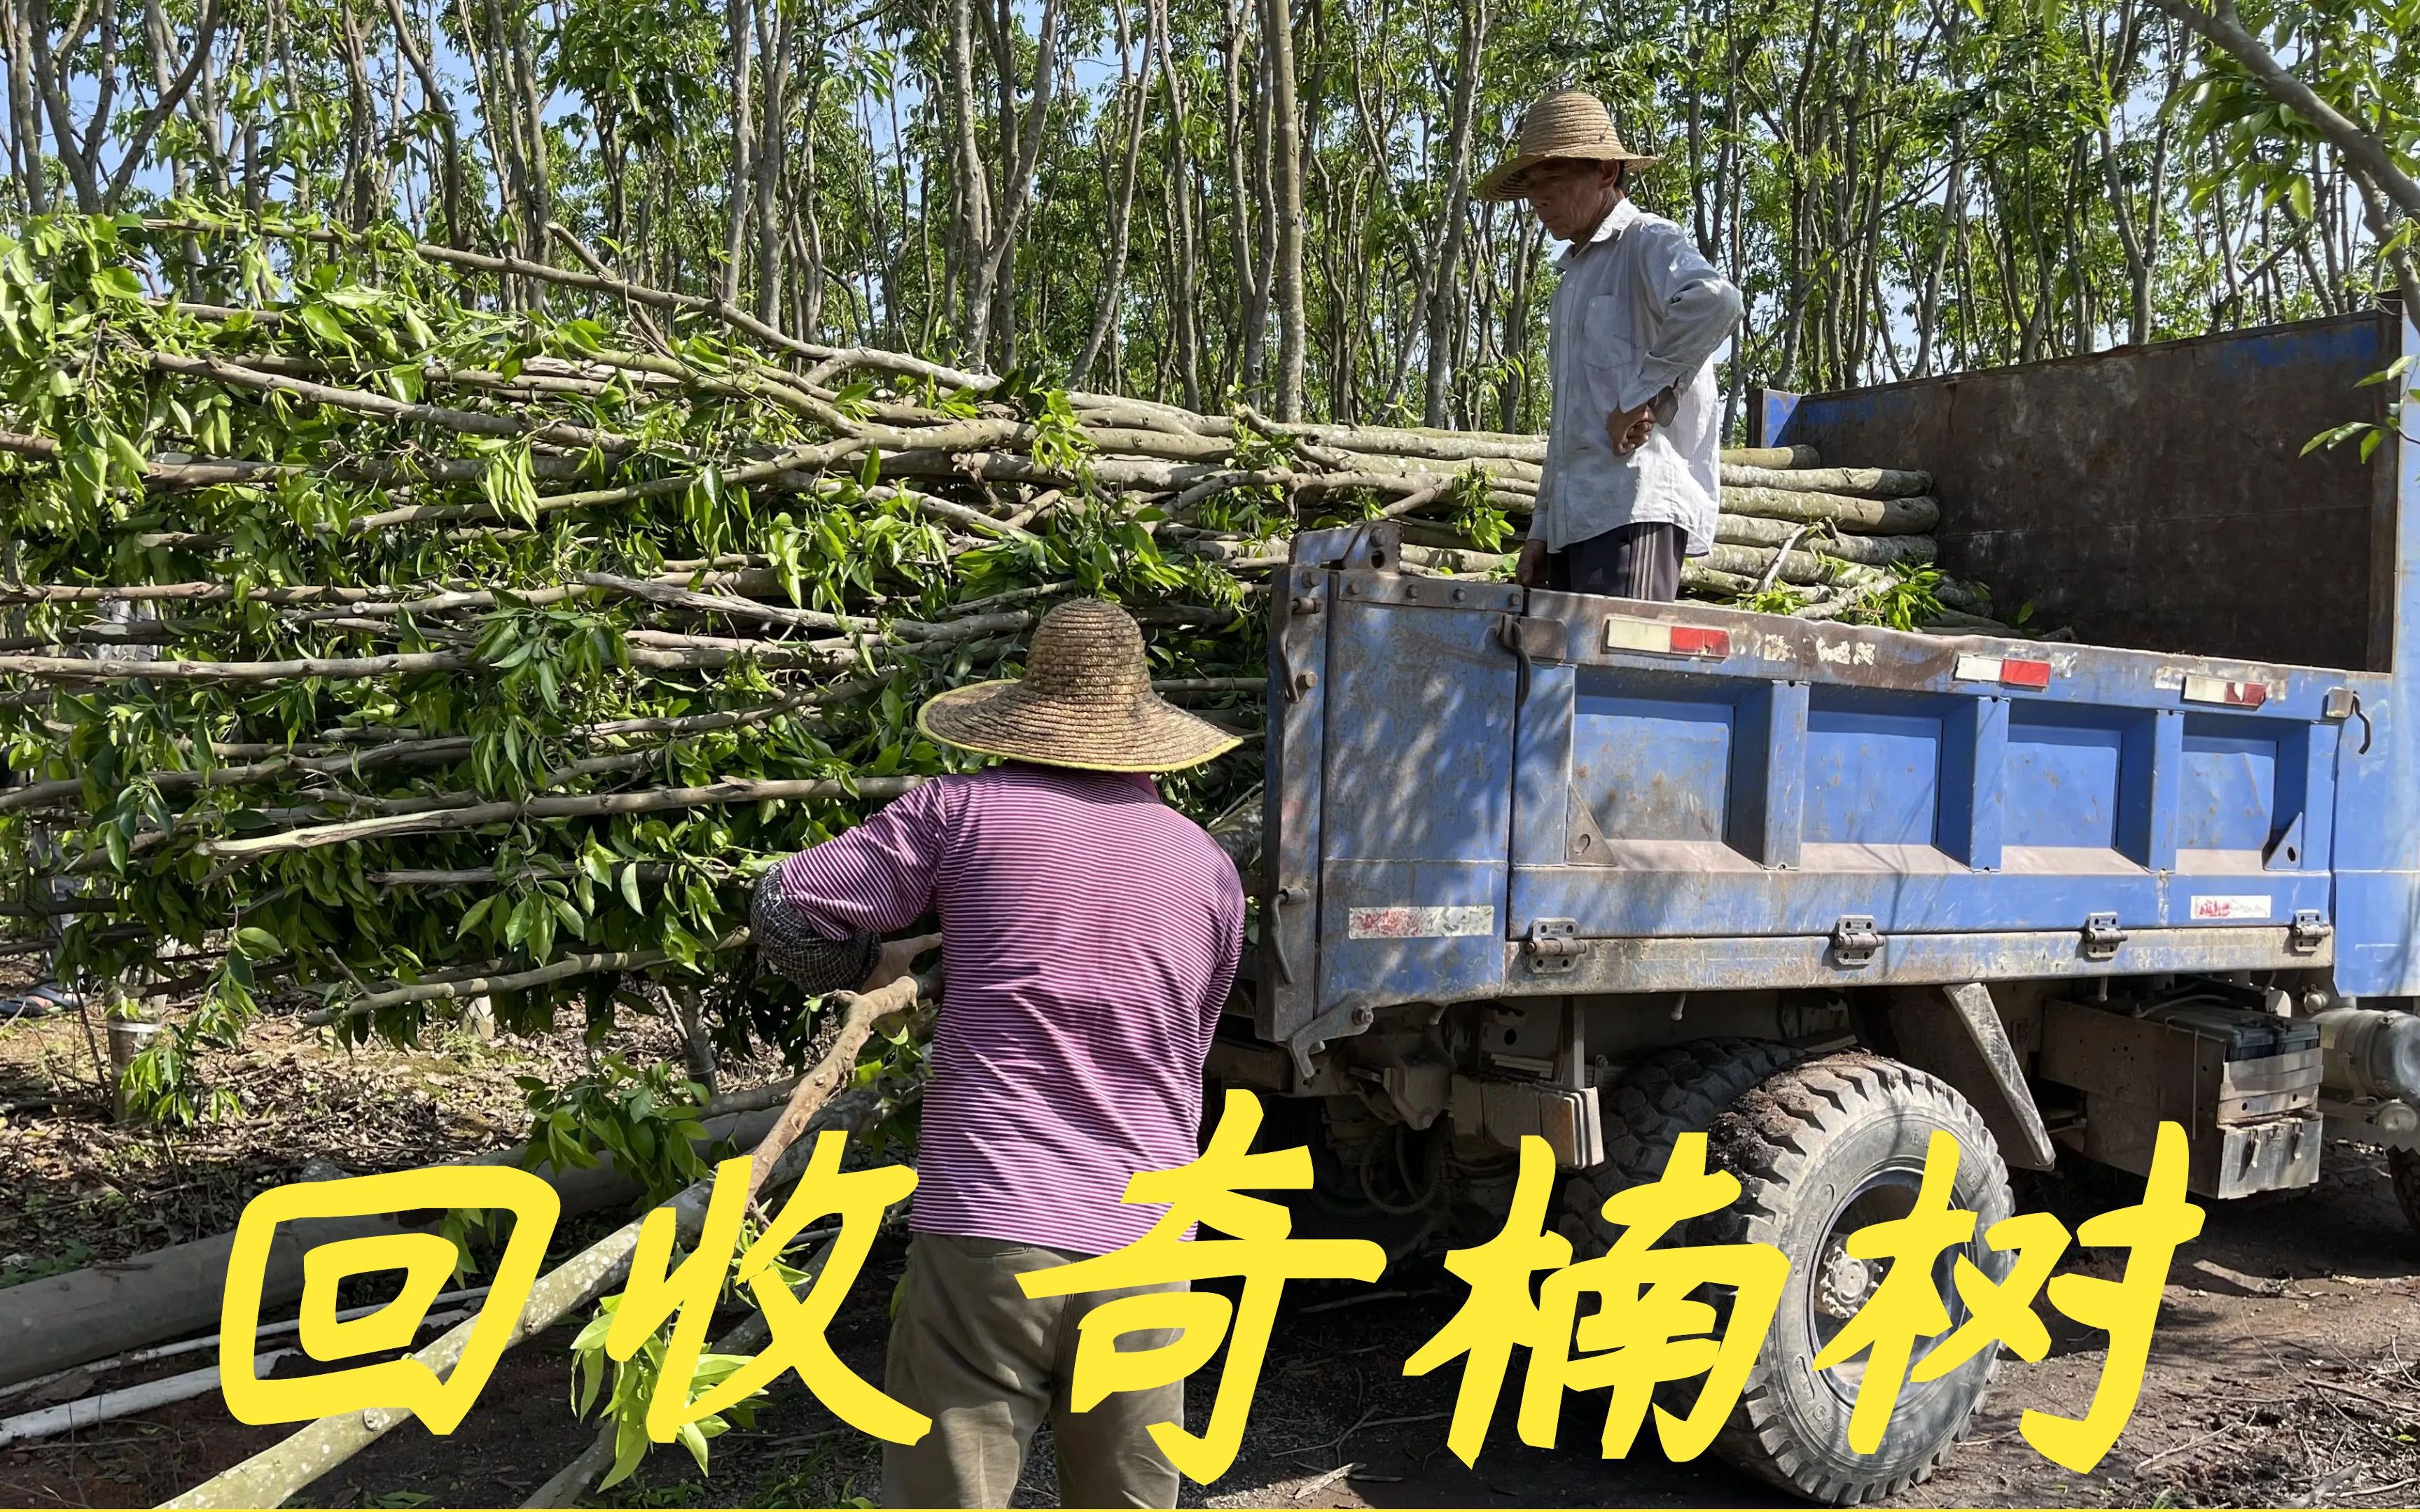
<point x="2101" y="936"/>
<point x="1528" y="638"/>
<point x="1552" y="945"/>
<point x="2310" y="930"/>
<point x="1371" y="544"/>
<point x="1855" y="940"/>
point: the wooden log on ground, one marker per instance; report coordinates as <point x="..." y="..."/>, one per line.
<point x="100" y="1310"/>
<point x="276" y="1475"/>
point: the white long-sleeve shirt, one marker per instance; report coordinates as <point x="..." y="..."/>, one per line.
<point x="1638" y="312"/>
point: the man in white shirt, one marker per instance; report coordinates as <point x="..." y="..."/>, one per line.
<point x="1631" y="478"/>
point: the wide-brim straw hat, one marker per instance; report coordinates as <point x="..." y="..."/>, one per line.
<point x="1569" y="124"/>
<point x="1085" y="701"/>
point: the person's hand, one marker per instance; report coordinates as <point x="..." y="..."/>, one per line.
<point x="1628" y="429"/>
<point x="897" y="959"/>
<point x="1529" y="568"/>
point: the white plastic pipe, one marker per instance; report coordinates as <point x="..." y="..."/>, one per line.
<point x="169" y="1351"/>
<point x="114" y="1404"/>
<point x="128" y="1400"/>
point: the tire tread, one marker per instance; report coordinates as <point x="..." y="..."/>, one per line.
<point x="1816" y="1099"/>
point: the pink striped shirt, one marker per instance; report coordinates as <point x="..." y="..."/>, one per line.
<point x="1090" y="934"/>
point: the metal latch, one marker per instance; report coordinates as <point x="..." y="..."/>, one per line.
<point x="1276" y="929"/>
<point x="2344" y="704"/>
<point x="2309" y="931"/>
<point x="2101" y="936"/>
<point x="1552" y="945"/>
<point x="1855" y="940"/>
<point x="1528" y="638"/>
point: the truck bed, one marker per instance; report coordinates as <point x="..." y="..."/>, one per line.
<point x="1481" y="792"/>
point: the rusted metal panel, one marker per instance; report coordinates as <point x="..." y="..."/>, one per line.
<point x="1954" y="1031"/>
<point x="2249" y="1120"/>
<point x="2153" y="496"/>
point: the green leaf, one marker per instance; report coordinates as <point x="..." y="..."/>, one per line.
<point x="630" y="1447"/>
<point x="326" y="327"/>
<point x="631" y="888"/>
<point x="693" y="1439"/>
<point x="2331" y="436"/>
<point x="592" y="1336"/>
<point x="117" y="283"/>
<point x="127" y="458"/>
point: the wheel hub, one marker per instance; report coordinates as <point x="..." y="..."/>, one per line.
<point x="1842" y="1282"/>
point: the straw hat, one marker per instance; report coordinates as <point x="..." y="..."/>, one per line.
<point x="1569" y="124"/>
<point x="1085" y="701"/>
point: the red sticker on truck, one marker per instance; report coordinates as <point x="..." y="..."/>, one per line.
<point x="2230" y="906"/>
<point x="1418" y="923"/>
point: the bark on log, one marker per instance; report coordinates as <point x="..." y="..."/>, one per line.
<point x="1772" y="456"/>
<point x="1455" y="559"/>
<point x="559" y="970"/>
<point x="1864" y="517"/>
<point x="1863" y="482"/>
<point x="1698" y="574"/>
<point x="1797" y="567"/>
<point x="581" y="806"/>
<point x="1872" y="550"/>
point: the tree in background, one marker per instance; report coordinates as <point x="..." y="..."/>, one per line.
<point x="1216" y="201"/>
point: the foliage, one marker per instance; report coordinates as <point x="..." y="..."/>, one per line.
<point x="647" y="1117"/>
<point x="634" y="1383"/>
<point x="328" y="529"/>
<point x="1911" y="600"/>
<point x="1082" y="189"/>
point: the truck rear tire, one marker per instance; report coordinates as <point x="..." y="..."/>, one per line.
<point x="2404" y="1167"/>
<point x="1675" y="1091"/>
<point x="1821" y="1150"/>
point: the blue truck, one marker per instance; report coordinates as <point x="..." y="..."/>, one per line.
<point x="1608" y="871"/>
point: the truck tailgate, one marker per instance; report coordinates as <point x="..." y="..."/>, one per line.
<point x="1689" y="772"/>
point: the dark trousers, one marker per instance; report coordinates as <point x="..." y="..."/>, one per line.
<point x="989" y="1364"/>
<point x="1640" y="561"/>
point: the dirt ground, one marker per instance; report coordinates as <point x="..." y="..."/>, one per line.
<point x="2285" y="1370"/>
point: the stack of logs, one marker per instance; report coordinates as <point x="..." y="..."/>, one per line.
<point x="1795" y="535"/>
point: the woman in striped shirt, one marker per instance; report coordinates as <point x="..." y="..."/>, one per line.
<point x="1089" y="935"/>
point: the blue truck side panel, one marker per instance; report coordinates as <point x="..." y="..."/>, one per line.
<point x="1434" y="783"/>
<point x="1720" y="807"/>
<point x="2359" y="815"/>
<point x="2376" y="836"/>
<point x="1820" y="772"/>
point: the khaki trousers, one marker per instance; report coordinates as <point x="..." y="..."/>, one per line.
<point x="970" y="1351"/>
